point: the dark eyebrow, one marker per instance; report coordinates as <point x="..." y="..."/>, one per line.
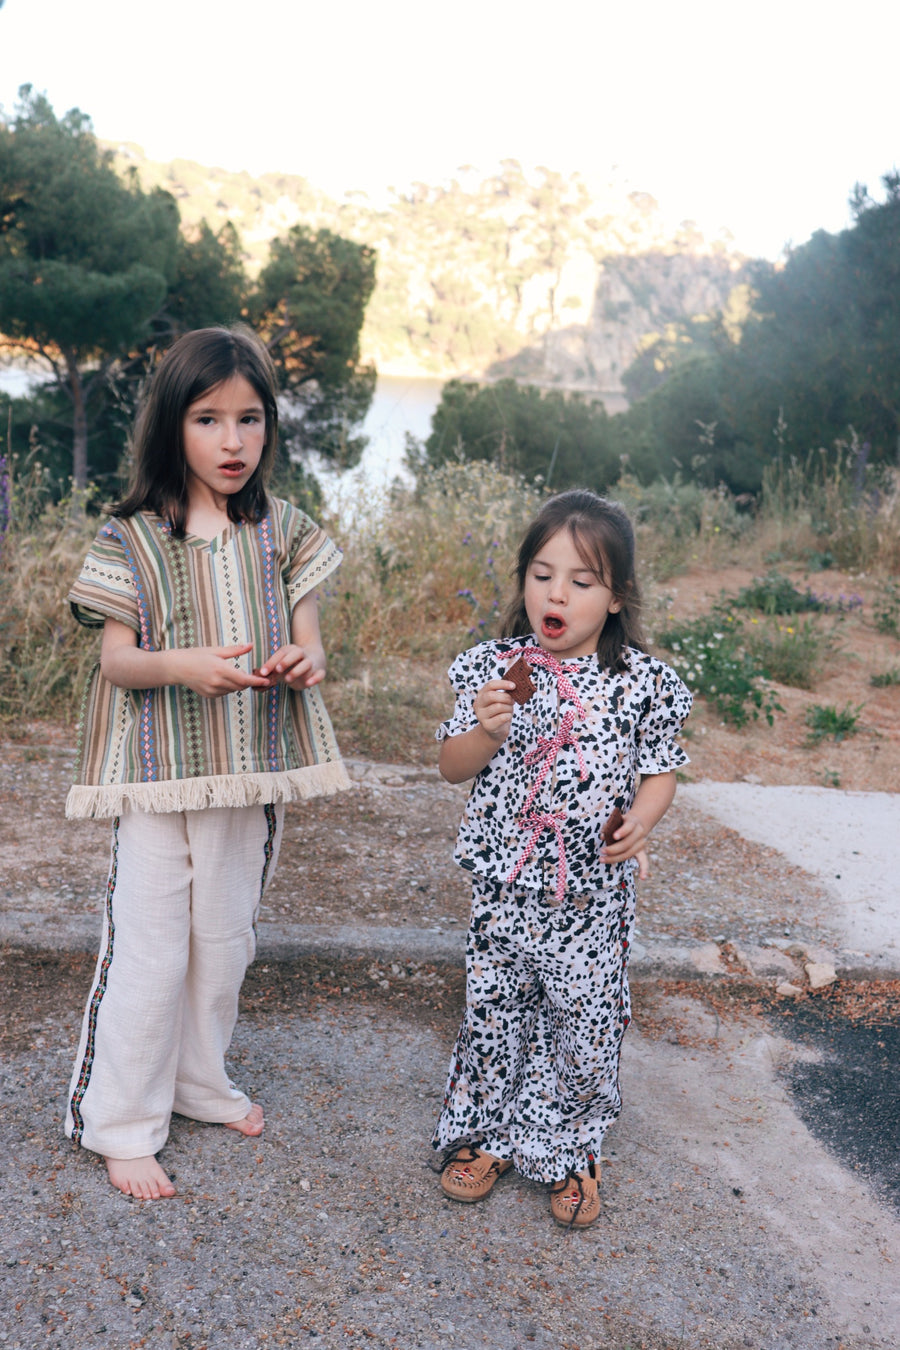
<point x="539" y="562"/>
<point x="199" y="409"/>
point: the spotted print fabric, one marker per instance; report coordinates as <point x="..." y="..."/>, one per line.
<point x="534" y="1072"/>
<point x="622" y="725"/>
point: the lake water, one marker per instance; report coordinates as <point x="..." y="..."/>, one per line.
<point x="399" y="405"/>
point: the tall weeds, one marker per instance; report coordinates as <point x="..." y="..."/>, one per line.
<point x="834" y="506"/>
<point x="426" y="570"/>
<point x="44" y="656"/>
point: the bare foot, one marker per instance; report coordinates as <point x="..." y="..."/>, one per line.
<point x="141" y="1177"/>
<point x="252" y="1124"/>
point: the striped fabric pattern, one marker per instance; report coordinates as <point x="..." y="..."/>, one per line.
<point x="170" y="749"/>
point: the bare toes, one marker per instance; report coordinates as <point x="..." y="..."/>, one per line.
<point x="142" y="1178"/>
<point x="252" y="1124"/>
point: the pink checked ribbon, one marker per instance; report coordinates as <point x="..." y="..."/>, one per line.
<point x="547" y="748"/>
<point x="536" y="656"/>
<point x="540" y="821"/>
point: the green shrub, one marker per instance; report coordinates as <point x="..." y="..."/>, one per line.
<point x="886" y="609"/>
<point x="776" y="594"/>
<point x="677" y="521"/>
<point x="712" y="657"/>
<point x="826" y="721"/>
<point x="791" y="655"/>
<point x="886" y="678"/>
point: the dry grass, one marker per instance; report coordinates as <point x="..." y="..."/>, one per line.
<point x="426" y="573"/>
<point x="45" y="657"/>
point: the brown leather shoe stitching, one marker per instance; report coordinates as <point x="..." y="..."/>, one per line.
<point x="468" y="1175"/>
<point x="570" y="1205"/>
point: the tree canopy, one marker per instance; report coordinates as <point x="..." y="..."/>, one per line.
<point x="807" y="359"/>
<point x="549" y="435"/>
<point x="97" y="277"/>
<point x="85" y="258"/>
<point x="309" y="306"/>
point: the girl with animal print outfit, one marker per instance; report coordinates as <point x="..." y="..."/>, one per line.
<point x="570" y="777"/>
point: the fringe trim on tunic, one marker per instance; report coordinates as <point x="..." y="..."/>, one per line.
<point x="197" y="794"/>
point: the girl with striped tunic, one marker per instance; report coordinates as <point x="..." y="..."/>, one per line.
<point x="201" y="719"/>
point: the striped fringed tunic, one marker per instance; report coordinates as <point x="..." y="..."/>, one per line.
<point x="169" y="749"/>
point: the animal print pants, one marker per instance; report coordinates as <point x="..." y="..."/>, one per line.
<point x="534" y="1075"/>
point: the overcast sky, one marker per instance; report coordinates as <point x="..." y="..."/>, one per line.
<point x="758" y="117"/>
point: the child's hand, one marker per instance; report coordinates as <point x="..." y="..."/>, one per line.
<point x="300" y="666"/>
<point x="493" y="706"/>
<point x="651" y="802"/>
<point x="211" y="672"/>
<point x="628" y="842"/>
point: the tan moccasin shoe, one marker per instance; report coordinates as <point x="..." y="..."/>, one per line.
<point x="575" y="1201"/>
<point x="469" y="1175"/>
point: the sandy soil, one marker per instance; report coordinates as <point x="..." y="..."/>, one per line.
<point x="868" y="761"/>
<point x="726" y="1223"/>
<point x="381" y="855"/>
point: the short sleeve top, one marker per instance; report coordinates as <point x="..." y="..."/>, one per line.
<point x="574" y="751"/>
<point x="169" y="749"/>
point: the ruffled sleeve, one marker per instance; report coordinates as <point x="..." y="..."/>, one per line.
<point x="468" y="673"/>
<point x="105" y="588"/>
<point x="667" y="710"/>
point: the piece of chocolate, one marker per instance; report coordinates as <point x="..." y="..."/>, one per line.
<point x="520" y="673"/>
<point x="609" y="829"/>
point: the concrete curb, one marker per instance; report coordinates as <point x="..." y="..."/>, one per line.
<point x="652" y="958"/>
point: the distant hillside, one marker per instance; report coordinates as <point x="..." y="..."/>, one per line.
<point x="539" y="277"/>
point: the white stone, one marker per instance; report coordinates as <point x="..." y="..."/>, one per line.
<point x="820" y="974"/>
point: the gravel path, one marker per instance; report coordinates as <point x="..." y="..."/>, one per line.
<point x="725" y="1224"/>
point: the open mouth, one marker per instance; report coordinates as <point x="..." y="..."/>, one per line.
<point x="234" y="468"/>
<point x="552" y="625"/>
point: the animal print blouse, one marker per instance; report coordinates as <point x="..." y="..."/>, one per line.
<point x="575" y="750"/>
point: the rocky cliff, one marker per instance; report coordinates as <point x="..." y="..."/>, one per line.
<point x="545" y="278"/>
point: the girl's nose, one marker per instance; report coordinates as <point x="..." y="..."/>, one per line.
<point x="232" y="437"/>
<point x="556" y="592"/>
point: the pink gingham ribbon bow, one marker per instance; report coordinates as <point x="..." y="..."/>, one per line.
<point x="536" y="656"/>
<point x="540" y="821"/>
<point x="547" y="748"/>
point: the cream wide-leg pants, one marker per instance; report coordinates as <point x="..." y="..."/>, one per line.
<point x="178" y="934"/>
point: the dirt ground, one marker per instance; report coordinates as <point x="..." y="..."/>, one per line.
<point x="726" y="1222"/>
<point x="868" y="761"/>
<point x="381" y="854"/>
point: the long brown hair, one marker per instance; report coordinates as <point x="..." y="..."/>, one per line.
<point x="604" y="537"/>
<point x="198" y="361"/>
